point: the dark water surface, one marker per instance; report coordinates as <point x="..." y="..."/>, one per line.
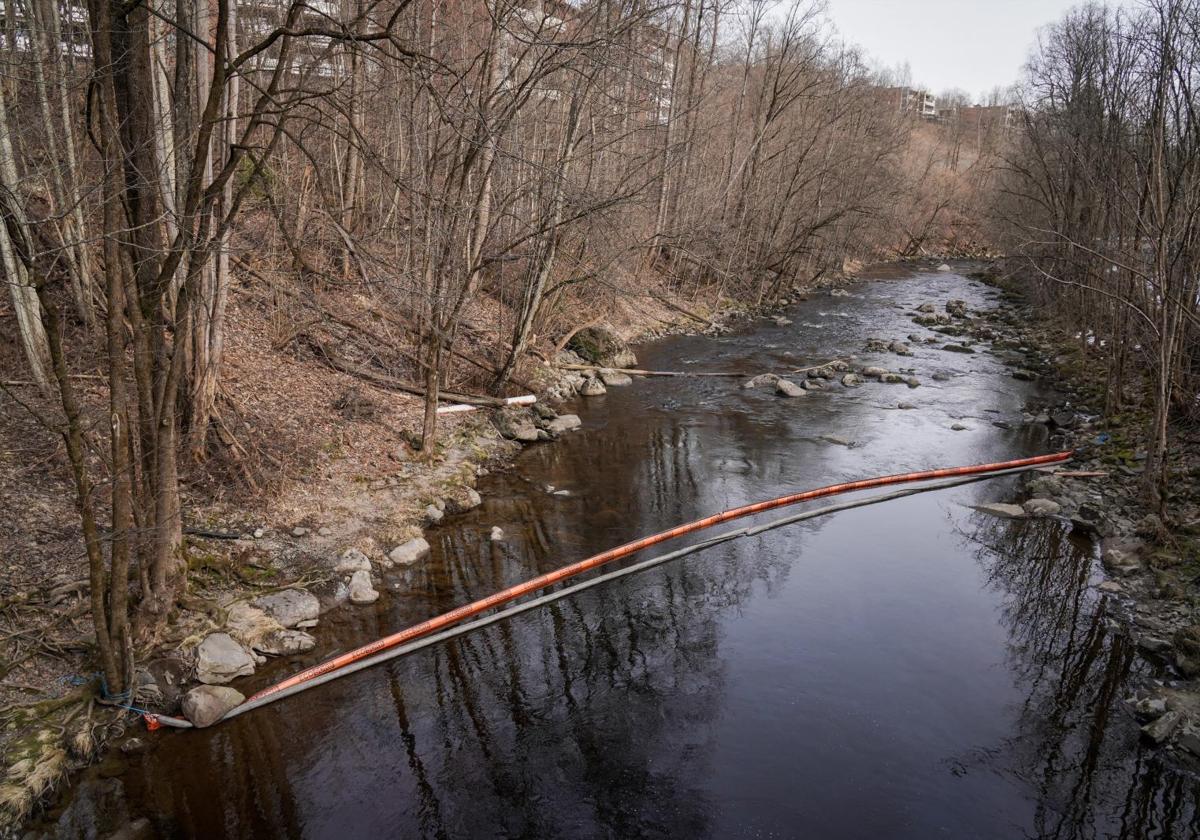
<point x="908" y="670"/>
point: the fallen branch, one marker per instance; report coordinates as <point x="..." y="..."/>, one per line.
<point x="391" y="383"/>
<point x="678" y="308"/>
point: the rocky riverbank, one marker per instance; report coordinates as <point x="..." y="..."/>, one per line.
<point x="1152" y="566"/>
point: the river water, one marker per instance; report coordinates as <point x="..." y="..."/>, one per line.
<point x="908" y="670"/>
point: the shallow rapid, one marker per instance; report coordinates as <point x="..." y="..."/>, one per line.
<point x="908" y="670"/>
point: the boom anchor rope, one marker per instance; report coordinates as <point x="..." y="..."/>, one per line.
<point x="439" y="628"/>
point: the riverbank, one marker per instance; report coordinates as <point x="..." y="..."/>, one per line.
<point x="1152" y="565"/>
<point x="265" y="567"/>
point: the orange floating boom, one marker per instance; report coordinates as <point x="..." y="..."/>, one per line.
<point x="504" y="596"/>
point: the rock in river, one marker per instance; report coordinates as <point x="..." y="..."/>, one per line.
<point x="361" y="589"/>
<point x="615" y="377"/>
<point x="563" y="423"/>
<point x="852" y="380"/>
<point x="784" y="388"/>
<point x="409" y="552"/>
<point x="593" y="388"/>
<point x="763" y="380"/>
<point x="204" y="705"/>
<point x="286" y="643"/>
<point x="1042" y="507"/>
<point x="220" y="659"/>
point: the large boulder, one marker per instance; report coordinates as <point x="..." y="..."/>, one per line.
<point x="601" y="346"/>
<point x="403" y="555"/>
<point x="220" y="659"/>
<point x="290" y="607"/>
<point x="204" y="705"/>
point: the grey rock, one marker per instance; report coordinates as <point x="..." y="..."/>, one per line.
<point x="1189" y="739"/>
<point x="544" y="411"/>
<point x="299" y="531"/>
<point x="763" y="380"/>
<point x="324" y="531"/>
<point x="905" y="406"/>
<point x="1163" y="728"/>
<point x="900" y="348"/>
<point x="941" y="376"/>
<point x="497" y="533"/>
<point x="1042" y="507"/>
<point x="290" y="607"/>
<point x="410" y="552"/>
<point x="1153" y="644"/>
<point x="361" y="589"/>
<point x="259" y="533"/>
<point x="1002" y="510"/>
<point x="852" y="380"/>
<point x="957" y="348"/>
<point x="927" y="307"/>
<point x="220" y="659"/>
<point x="593" y="388"/>
<point x="286" y="643"/>
<point x="837" y="441"/>
<point x="959" y="427"/>
<point x="352" y="560"/>
<point x="812" y="385"/>
<point x="433" y="515"/>
<point x="1150" y="708"/>
<point x="943" y="267"/>
<point x="1118" y="561"/>
<point x="1024" y="375"/>
<point x="874" y="372"/>
<point x="564" y="423"/>
<point x="784" y="388"/>
<point x="615" y="378"/>
<point x="781" y="321"/>
<point x="204" y="705"/>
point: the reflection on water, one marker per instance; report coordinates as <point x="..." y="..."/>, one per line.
<point x="906" y="670"/>
<point x="1073" y="744"/>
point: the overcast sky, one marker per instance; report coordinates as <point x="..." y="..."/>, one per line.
<point x="970" y="44"/>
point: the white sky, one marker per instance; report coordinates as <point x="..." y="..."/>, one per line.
<point x="975" y="45"/>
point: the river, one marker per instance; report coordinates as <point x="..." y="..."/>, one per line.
<point x="909" y="670"/>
